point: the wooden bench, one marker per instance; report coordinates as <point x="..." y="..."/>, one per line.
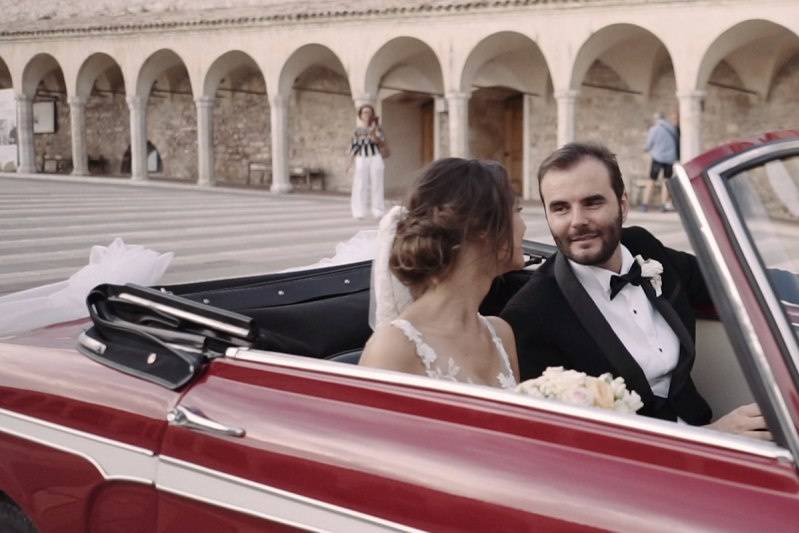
<point x="305" y="177"/>
<point x="259" y="172"/>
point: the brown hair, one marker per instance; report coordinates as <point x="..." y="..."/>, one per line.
<point x="374" y="113"/>
<point x="568" y="155"/>
<point x="453" y="201"/>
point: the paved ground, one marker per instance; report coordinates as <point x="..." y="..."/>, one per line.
<point x="48" y="225"/>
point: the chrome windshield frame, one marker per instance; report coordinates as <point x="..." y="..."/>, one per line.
<point x="717" y="273"/>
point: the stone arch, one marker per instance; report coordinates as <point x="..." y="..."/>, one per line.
<point x="516" y="62"/>
<point x="43" y="81"/>
<point x="97" y="65"/>
<point x="37" y="69"/>
<point x="6" y="78"/>
<point x="624" y="74"/>
<point x="165" y="88"/>
<point x="239" y="127"/>
<point x="755" y="49"/>
<point x="405" y="79"/>
<point x="305" y="57"/>
<point x="511" y="112"/>
<point x="408" y="60"/>
<point x="164" y="62"/>
<point x="235" y="64"/>
<point x="105" y="118"/>
<point x="314" y="83"/>
<point x="748" y="77"/>
<point x="8" y="128"/>
<point x="632" y="51"/>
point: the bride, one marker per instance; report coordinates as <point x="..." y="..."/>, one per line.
<point x="435" y="263"/>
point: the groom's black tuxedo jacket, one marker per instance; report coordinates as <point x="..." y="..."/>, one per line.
<point x="556" y="323"/>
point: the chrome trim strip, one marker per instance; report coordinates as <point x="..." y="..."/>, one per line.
<point x="112" y="459"/>
<point x="263" y="501"/>
<point x="210" y="322"/>
<point x="747" y="330"/>
<point x="635" y="422"/>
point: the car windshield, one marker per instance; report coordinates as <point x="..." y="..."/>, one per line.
<point x="767" y="197"/>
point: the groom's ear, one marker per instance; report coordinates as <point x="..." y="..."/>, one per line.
<point x="624" y="206"/>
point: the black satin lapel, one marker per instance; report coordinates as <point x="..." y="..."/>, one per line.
<point x="594" y="322"/>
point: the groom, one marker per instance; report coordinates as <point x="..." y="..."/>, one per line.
<point x="611" y="299"/>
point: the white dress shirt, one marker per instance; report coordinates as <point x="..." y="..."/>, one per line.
<point x="637" y="324"/>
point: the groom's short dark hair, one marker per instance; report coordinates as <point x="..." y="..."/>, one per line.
<point x="570" y="154"/>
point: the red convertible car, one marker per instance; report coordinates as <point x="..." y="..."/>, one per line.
<point x="233" y="405"/>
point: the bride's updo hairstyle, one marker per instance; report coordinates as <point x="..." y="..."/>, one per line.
<point x="454" y="201"/>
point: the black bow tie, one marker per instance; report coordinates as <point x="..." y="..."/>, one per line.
<point x="633" y="277"/>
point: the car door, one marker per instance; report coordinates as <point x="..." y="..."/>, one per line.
<point x="291" y="442"/>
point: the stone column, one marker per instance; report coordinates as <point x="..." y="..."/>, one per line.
<point x="690" y="123"/>
<point x="27" y="154"/>
<point x="205" y="141"/>
<point x="77" y="117"/>
<point x="458" y="105"/>
<point x="567" y="104"/>
<point x="138" y="137"/>
<point x="439" y="107"/>
<point x="279" y="114"/>
<point x="527" y="164"/>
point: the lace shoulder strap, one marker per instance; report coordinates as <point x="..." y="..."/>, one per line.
<point x="506" y="376"/>
<point x="423" y="350"/>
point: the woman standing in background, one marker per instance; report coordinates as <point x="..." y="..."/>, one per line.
<point x="366" y="148"/>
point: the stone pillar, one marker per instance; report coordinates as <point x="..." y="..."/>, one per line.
<point x="567" y="104"/>
<point x="138" y="137"/>
<point x="279" y="114"/>
<point x="27" y="154"/>
<point x="205" y="141"/>
<point x="458" y="105"/>
<point x="690" y="123"/>
<point x="77" y="117"/>
<point x="439" y="107"/>
<point x="527" y="164"/>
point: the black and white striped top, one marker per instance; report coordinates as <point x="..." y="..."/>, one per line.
<point x="365" y="145"/>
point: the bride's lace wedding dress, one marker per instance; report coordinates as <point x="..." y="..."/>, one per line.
<point x="446" y="368"/>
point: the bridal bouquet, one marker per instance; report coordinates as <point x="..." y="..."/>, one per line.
<point x="578" y="388"/>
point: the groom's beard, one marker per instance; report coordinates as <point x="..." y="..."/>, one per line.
<point x="609" y="236"/>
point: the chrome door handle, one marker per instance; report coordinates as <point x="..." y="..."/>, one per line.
<point x="189" y="419"/>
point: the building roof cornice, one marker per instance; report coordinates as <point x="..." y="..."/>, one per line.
<point x="277" y="14"/>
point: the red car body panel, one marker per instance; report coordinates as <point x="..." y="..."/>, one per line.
<point x="455" y="463"/>
<point x="45" y="378"/>
<point x="423" y="457"/>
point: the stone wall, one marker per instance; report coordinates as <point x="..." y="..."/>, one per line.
<point x="58" y="144"/>
<point x="241" y="131"/>
<point x="610" y="112"/>
<point x="321" y="120"/>
<point x="108" y="130"/>
<point x="172" y="128"/>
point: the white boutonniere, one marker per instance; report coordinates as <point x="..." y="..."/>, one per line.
<point x="652" y="270"/>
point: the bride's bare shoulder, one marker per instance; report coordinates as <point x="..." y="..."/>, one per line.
<point x="389" y="348"/>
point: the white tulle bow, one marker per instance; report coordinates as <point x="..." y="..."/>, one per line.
<point x="116" y="263"/>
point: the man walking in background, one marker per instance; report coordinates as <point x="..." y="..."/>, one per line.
<point x="662" y="144"/>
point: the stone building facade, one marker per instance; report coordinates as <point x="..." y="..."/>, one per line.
<point x="208" y="90"/>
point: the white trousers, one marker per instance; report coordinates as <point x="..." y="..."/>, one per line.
<point x="367" y="186"/>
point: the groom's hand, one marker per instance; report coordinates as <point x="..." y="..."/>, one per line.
<point x="746" y="420"/>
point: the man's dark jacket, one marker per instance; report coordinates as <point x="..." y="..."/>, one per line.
<point x="556" y="323"/>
